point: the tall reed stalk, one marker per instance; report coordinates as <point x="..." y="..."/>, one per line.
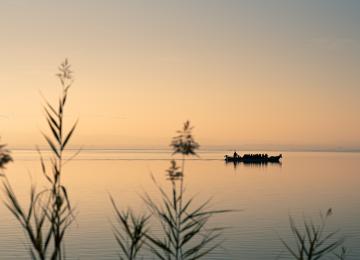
<point x="185" y="145"/>
<point x="49" y="213"/>
<point x="186" y="235"/>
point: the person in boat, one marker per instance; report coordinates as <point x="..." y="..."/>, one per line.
<point x="236" y="155"/>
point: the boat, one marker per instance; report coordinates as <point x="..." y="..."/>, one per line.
<point x="253" y="158"/>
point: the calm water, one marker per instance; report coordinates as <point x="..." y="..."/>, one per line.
<point x="303" y="185"/>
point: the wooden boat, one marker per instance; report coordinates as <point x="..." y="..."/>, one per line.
<point x="253" y="158"/>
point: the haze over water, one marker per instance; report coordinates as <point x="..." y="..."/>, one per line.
<point x="246" y="72"/>
<point x="265" y="196"/>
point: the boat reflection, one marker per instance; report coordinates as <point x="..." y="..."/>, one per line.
<point x="253" y="164"/>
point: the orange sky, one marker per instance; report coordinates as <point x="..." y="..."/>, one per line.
<point x="246" y="73"/>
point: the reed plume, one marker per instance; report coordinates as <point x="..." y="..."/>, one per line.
<point x="5" y="156"/>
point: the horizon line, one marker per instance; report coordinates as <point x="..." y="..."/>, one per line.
<point x="271" y="148"/>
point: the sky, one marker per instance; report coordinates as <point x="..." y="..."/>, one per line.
<point x="253" y="73"/>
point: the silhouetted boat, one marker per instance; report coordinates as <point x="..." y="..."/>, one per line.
<point x="253" y="158"/>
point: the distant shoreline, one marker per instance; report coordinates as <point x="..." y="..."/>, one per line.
<point x="205" y="149"/>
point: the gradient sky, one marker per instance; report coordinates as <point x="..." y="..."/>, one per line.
<point x="267" y="73"/>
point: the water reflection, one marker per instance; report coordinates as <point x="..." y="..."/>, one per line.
<point x="253" y="164"/>
<point x="268" y="194"/>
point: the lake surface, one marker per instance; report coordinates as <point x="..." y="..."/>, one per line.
<point x="265" y="196"/>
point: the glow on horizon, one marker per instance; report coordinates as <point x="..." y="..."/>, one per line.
<point x="244" y="72"/>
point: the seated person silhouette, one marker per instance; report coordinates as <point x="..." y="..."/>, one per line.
<point x="236" y="155"/>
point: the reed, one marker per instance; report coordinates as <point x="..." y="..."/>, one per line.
<point x="313" y="242"/>
<point x="49" y="213"/>
<point x="186" y="235"/>
<point x="341" y="255"/>
<point x="130" y="231"/>
<point x="5" y="156"/>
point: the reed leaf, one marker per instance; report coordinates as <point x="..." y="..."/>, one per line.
<point x="130" y="231"/>
<point x="68" y="136"/>
<point x="313" y="242"/>
<point x="52" y="146"/>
